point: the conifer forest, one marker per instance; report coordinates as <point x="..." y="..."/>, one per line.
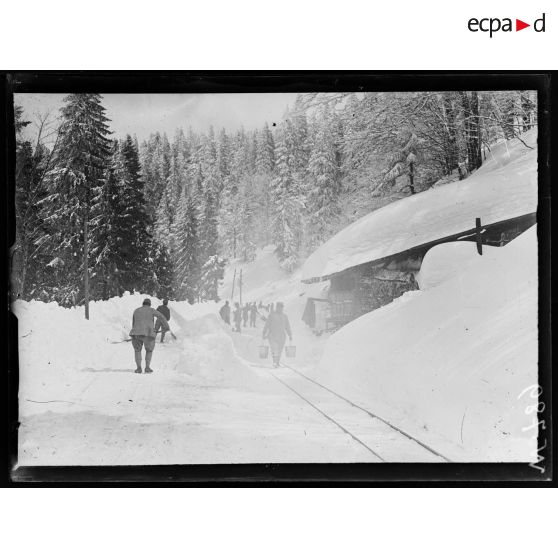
<point x="99" y="215"/>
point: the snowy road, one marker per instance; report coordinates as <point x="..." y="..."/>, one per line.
<point x="111" y="416"/>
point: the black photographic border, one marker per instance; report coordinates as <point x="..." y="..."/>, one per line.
<point x="300" y="474"/>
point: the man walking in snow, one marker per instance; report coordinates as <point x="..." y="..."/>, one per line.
<point x="225" y="313"/>
<point x="143" y="333"/>
<point x="165" y="310"/>
<point x="276" y="329"/>
<point x="245" y="314"/>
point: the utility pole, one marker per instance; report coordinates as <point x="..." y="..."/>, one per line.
<point x="240" y="286"/>
<point x="86" y="264"/>
<point x="478" y="234"/>
<point x="232" y="292"/>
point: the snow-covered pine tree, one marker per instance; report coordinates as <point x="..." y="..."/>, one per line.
<point x="402" y="162"/>
<point x="80" y="159"/>
<point x="208" y="226"/>
<point x="212" y="274"/>
<point x="28" y="263"/>
<point x="207" y="195"/>
<point x="136" y="229"/>
<point x="248" y="205"/>
<point x="106" y="230"/>
<point x="300" y="138"/>
<point x="155" y="158"/>
<point x="162" y="276"/>
<point x="122" y="247"/>
<point x="323" y="185"/>
<point x="264" y="171"/>
<point x="177" y="182"/>
<point x="223" y="154"/>
<point x="228" y="219"/>
<point x="187" y="249"/>
<point x="265" y="151"/>
<point x="287" y="200"/>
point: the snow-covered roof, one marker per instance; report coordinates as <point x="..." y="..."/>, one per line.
<point x="503" y="188"/>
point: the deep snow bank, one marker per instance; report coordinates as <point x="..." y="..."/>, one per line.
<point x="56" y="344"/>
<point x="208" y="356"/>
<point x="449" y="364"/>
<point x="504" y="187"/>
<point x="444" y="261"/>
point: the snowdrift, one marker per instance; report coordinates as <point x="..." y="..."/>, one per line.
<point x="56" y="344"/>
<point x="208" y="357"/>
<point x="447" y="260"/>
<point x="503" y="188"/>
<point x="449" y="364"/>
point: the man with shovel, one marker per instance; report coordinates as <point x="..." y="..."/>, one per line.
<point x="143" y="333"/>
<point x="165" y="310"/>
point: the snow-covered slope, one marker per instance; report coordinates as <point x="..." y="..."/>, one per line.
<point x="447" y="260"/>
<point x="449" y="364"/>
<point x="504" y="187"/>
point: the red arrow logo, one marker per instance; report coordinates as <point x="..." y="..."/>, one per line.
<point x="519" y="25"/>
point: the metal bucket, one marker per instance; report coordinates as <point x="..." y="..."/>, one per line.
<point x="290" y="351"/>
<point x="264" y="351"/>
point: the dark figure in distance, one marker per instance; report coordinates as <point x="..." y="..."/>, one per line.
<point x="253" y="314"/>
<point x="237" y="316"/>
<point x="143" y="332"/>
<point x="225" y="313"/>
<point x="165" y="310"/>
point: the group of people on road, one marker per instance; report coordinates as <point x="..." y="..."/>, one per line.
<point x="276" y="328"/>
<point x="144" y="332"/>
<point x="241" y="315"/>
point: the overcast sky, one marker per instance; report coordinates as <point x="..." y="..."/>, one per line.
<point x="142" y="114"/>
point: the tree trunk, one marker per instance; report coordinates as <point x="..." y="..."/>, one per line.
<point x="475" y="131"/>
<point x="86" y="264"/>
<point x="451" y="155"/>
<point x="526" y="110"/>
<point x="472" y="129"/>
<point x="25" y="258"/>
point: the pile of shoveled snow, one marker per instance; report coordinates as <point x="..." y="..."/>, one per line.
<point x="449" y="364"/>
<point x="208" y="356"/>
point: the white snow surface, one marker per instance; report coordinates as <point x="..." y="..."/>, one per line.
<point x="446" y="260"/>
<point x="210" y="399"/>
<point x="451" y="364"/>
<point x="504" y="187"/>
